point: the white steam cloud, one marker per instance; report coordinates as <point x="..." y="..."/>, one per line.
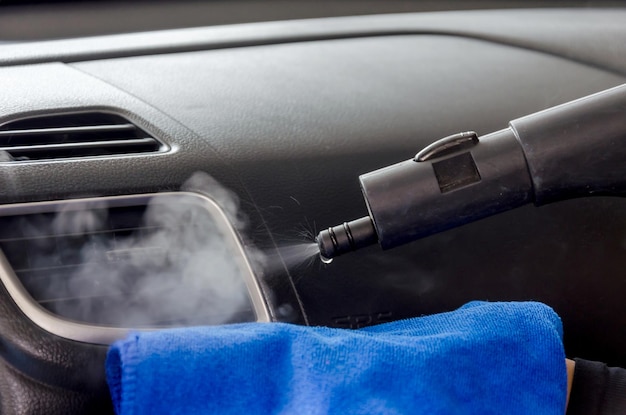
<point x="167" y="266"/>
<point x="4" y="156"/>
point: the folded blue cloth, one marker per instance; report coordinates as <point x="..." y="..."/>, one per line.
<point x="484" y="358"/>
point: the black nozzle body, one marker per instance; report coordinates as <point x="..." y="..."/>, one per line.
<point x="573" y="150"/>
<point x="347" y="237"/>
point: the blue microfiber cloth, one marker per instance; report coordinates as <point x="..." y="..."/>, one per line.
<point x="484" y="358"/>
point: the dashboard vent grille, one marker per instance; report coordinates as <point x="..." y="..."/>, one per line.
<point x="128" y="262"/>
<point x="73" y="135"/>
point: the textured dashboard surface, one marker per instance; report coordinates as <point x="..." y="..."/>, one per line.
<point x="290" y="120"/>
<point x="593" y="36"/>
<point x="298" y="122"/>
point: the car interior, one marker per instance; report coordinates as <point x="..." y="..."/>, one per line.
<point x="168" y="164"/>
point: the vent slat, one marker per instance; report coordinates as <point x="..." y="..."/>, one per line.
<point x="69" y="146"/>
<point x="68" y="130"/>
<point x="73" y="135"/>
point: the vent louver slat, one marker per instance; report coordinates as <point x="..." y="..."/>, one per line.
<point x="73" y="135"/>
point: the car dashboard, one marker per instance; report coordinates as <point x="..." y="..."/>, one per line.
<point x="274" y="122"/>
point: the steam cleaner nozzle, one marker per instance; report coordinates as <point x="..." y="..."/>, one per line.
<point x="572" y="150"/>
<point x="347" y="237"/>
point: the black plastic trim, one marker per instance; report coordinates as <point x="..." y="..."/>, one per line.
<point x="496" y="26"/>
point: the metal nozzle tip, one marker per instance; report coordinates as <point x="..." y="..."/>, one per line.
<point x="347" y="237"/>
<point x="326" y="244"/>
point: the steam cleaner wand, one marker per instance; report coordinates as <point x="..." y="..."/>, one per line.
<point x="572" y="150"/>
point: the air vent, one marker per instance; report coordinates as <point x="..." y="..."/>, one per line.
<point x="73" y="135"/>
<point x="149" y="261"/>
